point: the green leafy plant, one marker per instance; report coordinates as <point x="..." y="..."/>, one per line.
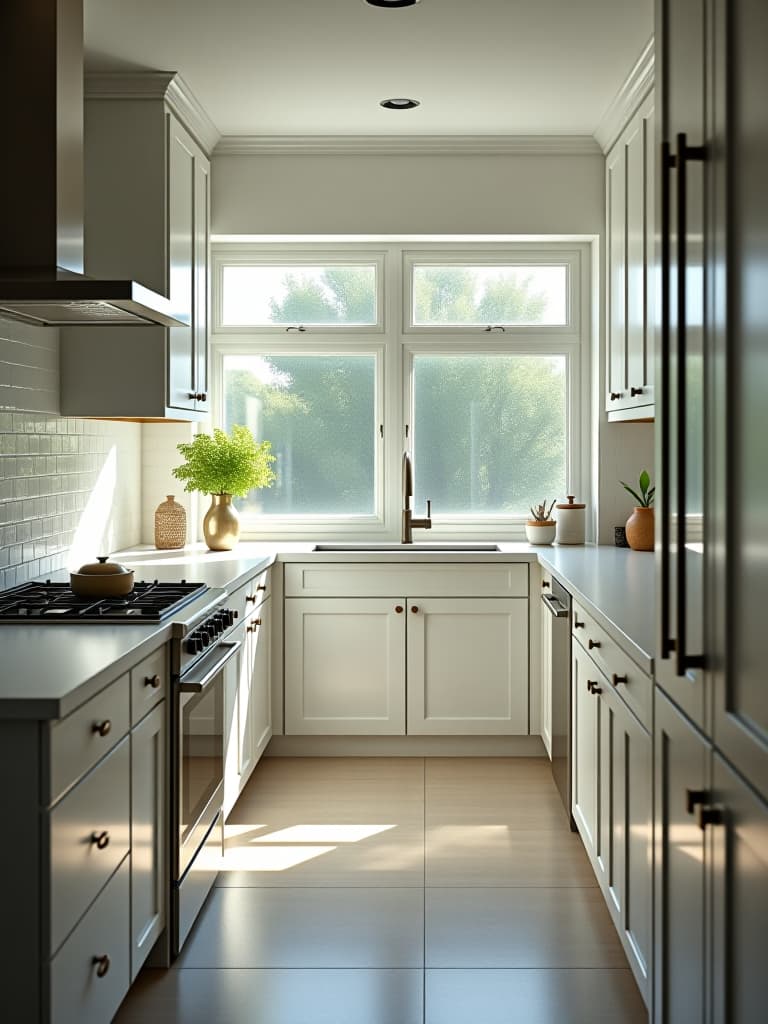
<point x="226" y="463"/>
<point x="645" y="498"/>
<point x="540" y="513"/>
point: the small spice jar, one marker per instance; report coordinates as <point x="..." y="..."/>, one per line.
<point x="571" y="518"/>
<point x="170" y="524"/>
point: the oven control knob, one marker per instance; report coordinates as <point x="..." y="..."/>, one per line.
<point x="230" y="616"/>
<point x="192" y="644"/>
<point x="213" y="627"/>
<point x="205" y="636"/>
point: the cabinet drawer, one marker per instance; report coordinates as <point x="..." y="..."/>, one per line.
<point x="149" y="683"/>
<point x="396" y="579"/>
<point x="630" y="682"/>
<point x="79" y="868"/>
<point x="246" y="599"/>
<point x="77" y="742"/>
<point x="77" y="991"/>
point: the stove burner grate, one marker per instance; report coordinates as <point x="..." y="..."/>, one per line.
<point x="48" y="602"/>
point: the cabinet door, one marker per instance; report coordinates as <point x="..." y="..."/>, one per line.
<point x="201" y="281"/>
<point x="546" y="675"/>
<point x="627" y="825"/>
<point x="233" y="672"/>
<point x="640" y="257"/>
<point x="681" y="759"/>
<point x="148" y="834"/>
<point x="467" y="666"/>
<point x="345" y="666"/>
<point x="182" y="153"/>
<point x="259" y="640"/>
<point x="585" y="751"/>
<point x="616" y="226"/>
<point x="740" y="899"/>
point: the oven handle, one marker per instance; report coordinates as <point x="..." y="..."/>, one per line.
<point x="230" y="647"/>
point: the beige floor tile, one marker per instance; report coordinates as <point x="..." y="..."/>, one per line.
<point x="468" y="804"/>
<point x="533" y="997"/>
<point x="295" y="853"/>
<point x="520" y="928"/>
<point x="510" y="771"/>
<point x="275" y="997"/>
<point x="487" y="855"/>
<point x="329" y="927"/>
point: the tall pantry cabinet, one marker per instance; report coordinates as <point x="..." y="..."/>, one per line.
<point x="711" y="701"/>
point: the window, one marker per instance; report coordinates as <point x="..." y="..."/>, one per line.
<point x="489" y="432"/>
<point x="472" y="358"/>
<point x="319" y="413"/>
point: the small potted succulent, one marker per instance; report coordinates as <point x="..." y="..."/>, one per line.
<point x="640" y="525"/>
<point x="540" y="529"/>
<point x="224" y="465"/>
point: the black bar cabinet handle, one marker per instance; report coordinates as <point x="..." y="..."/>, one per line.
<point x="684" y="154"/>
<point x="667" y="163"/>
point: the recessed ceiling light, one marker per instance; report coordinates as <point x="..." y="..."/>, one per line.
<point x="399" y="103"/>
<point x="392" y="3"/>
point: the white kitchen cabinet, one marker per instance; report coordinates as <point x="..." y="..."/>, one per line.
<point x="630" y="275"/>
<point x="247" y="688"/>
<point x="612" y="773"/>
<point x="467" y="666"/>
<point x="147" y="218"/>
<point x="149" y="834"/>
<point x="359" y="636"/>
<point x="345" y="666"/>
<point x="546" y="669"/>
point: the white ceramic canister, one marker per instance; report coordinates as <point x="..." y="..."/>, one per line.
<point x="571" y="518"/>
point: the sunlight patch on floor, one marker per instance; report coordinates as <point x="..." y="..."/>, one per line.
<point x="322" y="834"/>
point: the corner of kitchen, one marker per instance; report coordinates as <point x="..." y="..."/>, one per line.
<point x="381" y="517"/>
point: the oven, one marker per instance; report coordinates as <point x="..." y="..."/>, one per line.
<point x="202" y="658"/>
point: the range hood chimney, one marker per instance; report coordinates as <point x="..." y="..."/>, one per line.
<point x="41" y="179"/>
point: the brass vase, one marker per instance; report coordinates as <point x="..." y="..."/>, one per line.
<point x="221" y="525"/>
<point x="640" y="530"/>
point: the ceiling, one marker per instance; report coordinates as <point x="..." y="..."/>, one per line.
<point x="320" y="67"/>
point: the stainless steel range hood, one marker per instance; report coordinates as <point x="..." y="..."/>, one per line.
<point x="41" y="180"/>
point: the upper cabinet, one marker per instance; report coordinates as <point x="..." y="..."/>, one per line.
<point x="147" y="217"/>
<point x="630" y="277"/>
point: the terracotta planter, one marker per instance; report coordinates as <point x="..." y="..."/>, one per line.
<point x="221" y="525"/>
<point x="640" y="529"/>
<point x="539" y="532"/>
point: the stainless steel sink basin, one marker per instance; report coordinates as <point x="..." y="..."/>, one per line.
<point x="405" y="548"/>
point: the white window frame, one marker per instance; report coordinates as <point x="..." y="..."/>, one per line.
<point x="263" y="255"/>
<point x="395" y="346"/>
<point x="554" y="255"/>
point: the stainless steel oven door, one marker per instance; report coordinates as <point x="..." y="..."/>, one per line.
<point x="200" y="751"/>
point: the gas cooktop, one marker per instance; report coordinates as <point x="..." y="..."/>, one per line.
<point x="49" y="603"/>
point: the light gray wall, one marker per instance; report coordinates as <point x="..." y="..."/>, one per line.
<point x="407" y="194"/>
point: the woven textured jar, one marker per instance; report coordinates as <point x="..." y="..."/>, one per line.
<point x="170" y="524"/>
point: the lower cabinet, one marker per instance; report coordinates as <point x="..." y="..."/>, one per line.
<point x="463" y="663"/>
<point x="149" y="806"/>
<point x="711" y="864"/>
<point x="612" y="805"/>
<point x="247" y="702"/>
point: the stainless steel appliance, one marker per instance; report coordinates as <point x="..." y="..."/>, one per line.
<point x="201" y="656"/>
<point x="556" y="607"/>
<point x="51" y="603"/>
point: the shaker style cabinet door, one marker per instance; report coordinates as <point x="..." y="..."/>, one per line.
<point x="467" y="666"/>
<point x="149" y="839"/>
<point x="681" y="772"/>
<point x="345" y="666"/>
<point x="261" y="680"/>
<point x="739" y="828"/>
<point x="585" y="750"/>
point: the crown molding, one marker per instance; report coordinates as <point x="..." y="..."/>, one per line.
<point x="168" y="86"/>
<point x="635" y="88"/>
<point x="407" y="145"/>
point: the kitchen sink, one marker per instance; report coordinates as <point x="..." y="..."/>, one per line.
<point x="406" y="547"/>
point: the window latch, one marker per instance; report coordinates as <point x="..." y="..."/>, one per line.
<point x="495" y="327"/>
<point x="301" y="327"/>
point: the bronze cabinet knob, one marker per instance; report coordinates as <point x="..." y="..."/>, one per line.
<point x="545" y="583"/>
<point x="153" y="681"/>
<point x="262" y="586"/>
<point x="615" y="395"/>
<point x="618" y="679"/>
<point x="635" y="391"/>
<point x="415" y="609"/>
<point x="100" y="840"/>
<point x="253" y="626"/>
<point x="577" y="624"/>
<point x="102" y="728"/>
<point x="593" y="643"/>
<point x="250" y="597"/>
<point x="399" y="609"/>
<point x="103" y="963"/>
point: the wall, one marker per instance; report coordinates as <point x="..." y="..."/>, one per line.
<point x="626" y="449"/>
<point x="380" y="194"/>
<point x="69" y="488"/>
<point x="159" y="456"/>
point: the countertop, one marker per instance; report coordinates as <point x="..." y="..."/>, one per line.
<point x="47" y="671"/>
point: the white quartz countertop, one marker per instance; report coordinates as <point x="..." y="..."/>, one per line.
<point x="47" y="671"/>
